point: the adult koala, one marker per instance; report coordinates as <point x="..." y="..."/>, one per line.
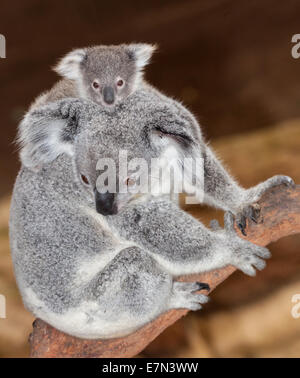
<point x="101" y="265"/>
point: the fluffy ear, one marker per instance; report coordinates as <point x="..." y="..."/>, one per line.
<point x="141" y="53"/>
<point x="69" y="65"/>
<point x="48" y="132"/>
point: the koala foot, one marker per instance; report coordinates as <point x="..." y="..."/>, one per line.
<point x="278" y="180"/>
<point x="251" y="211"/>
<point x="246" y="256"/>
<point x="250" y="257"/>
<point x="184" y="295"/>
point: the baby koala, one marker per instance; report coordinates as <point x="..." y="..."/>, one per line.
<point x="103" y="74"/>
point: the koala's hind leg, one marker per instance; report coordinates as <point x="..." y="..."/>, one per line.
<point x="131" y="291"/>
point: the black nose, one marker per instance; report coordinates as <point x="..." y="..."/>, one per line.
<point x="108" y="95"/>
<point x="105" y="203"/>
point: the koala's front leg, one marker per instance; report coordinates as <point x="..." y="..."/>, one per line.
<point x="222" y="191"/>
<point x="181" y="244"/>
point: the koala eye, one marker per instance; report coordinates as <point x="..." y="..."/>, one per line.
<point x="180" y="138"/>
<point x="129" y="181"/>
<point x="120" y="83"/>
<point x="95" y="85"/>
<point x="84" y="180"/>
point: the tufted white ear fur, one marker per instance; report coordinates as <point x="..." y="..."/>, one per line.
<point x="186" y="161"/>
<point x="142" y="53"/>
<point x="69" y="65"/>
<point x="42" y="137"/>
<point x="43" y="145"/>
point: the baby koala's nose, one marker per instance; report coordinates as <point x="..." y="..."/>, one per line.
<point x="105" y="203"/>
<point x="108" y="95"/>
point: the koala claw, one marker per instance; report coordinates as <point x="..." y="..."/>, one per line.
<point x="190" y="287"/>
<point x="203" y="286"/>
<point x="251" y="212"/>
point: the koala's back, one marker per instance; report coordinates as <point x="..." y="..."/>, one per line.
<point x="62" y="89"/>
<point x="51" y="237"/>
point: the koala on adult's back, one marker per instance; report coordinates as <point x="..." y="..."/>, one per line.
<point x="100" y="264"/>
<point x="103" y="74"/>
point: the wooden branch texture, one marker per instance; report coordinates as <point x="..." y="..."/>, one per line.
<point x="280" y="216"/>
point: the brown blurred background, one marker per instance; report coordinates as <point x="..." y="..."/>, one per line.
<point x="230" y="62"/>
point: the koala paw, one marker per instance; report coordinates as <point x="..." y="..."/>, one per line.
<point x="250" y="257"/>
<point x="70" y="108"/>
<point x="184" y="295"/>
<point x="249" y="212"/>
<point x="246" y="256"/>
<point x="278" y="180"/>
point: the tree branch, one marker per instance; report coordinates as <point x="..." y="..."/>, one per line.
<point x="280" y="216"/>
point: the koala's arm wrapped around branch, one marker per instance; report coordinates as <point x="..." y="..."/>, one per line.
<point x="280" y="216"/>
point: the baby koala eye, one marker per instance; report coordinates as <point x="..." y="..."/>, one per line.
<point x="95" y="85"/>
<point x="84" y="180"/>
<point x="120" y="83"/>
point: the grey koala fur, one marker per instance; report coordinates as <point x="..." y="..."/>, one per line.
<point x="105" y="65"/>
<point x="96" y="276"/>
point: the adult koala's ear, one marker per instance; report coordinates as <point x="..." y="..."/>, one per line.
<point x="69" y="65"/>
<point x="141" y="53"/>
<point x="49" y="131"/>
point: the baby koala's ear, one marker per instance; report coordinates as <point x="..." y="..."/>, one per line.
<point x="69" y="65"/>
<point x="141" y="53"/>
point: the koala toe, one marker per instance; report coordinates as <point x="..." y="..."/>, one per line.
<point x="249" y="212"/>
<point x="184" y="295"/>
<point x="190" y="287"/>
